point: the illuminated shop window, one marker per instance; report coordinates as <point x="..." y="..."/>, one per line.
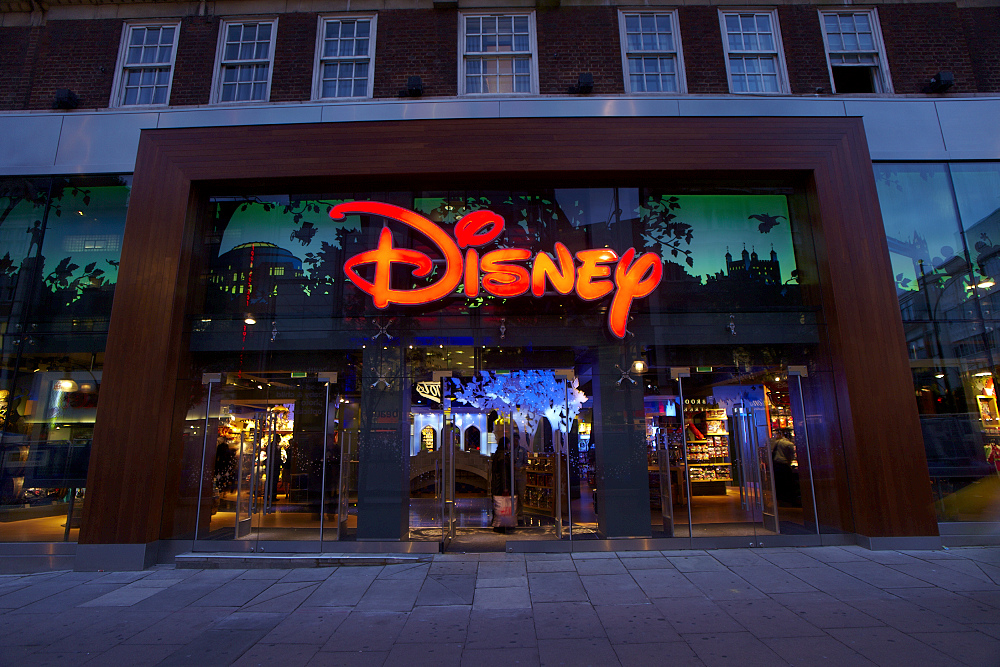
<point x="754" y="59"/>
<point x="345" y="51"/>
<point x="145" y="64"/>
<point x="246" y="51"/>
<point x="498" y="54"/>
<point x="651" y="50"/>
<point x="855" y="52"/>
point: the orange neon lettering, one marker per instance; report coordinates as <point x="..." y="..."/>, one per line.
<point x="590" y="276"/>
<point x="385" y="255"/>
<point x="469" y="230"/>
<point x="561" y="277"/>
<point x="497" y="271"/>
<point x="471" y="272"/>
<point x="633" y="282"/>
<point x="501" y="278"/>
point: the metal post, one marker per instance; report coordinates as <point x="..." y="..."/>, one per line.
<point x="798" y="372"/>
<point x="201" y="476"/>
<point x="322" y="488"/>
<point x="679" y="374"/>
<point x="569" y="474"/>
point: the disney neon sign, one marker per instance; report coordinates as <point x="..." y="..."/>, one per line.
<point x="599" y="272"/>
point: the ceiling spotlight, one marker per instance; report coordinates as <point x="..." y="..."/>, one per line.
<point x="249" y="319"/>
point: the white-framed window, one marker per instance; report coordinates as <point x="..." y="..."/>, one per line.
<point x="755" y="62"/>
<point x="345" y="57"/>
<point x="145" y="64"/>
<point x="497" y="54"/>
<point x="244" y="61"/>
<point x="651" y="52"/>
<point x="855" y="52"/>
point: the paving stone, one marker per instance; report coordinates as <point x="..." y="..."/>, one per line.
<point x="807" y="651"/>
<point x="888" y="646"/>
<point x="654" y="562"/>
<point x="500" y="629"/>
<point x="390" y="595"/>
<point x="499" y="657"/>
<point x="585" y="555"/>
<point x="308" y="574"/>
<point x="213" y="647"/>
<point x="600" y="566"/>
<point x="343" y="588"/>
<point x="906" y="616"/>
<point x="769" y="578"/>
<point x="446" y="624"/>
<point x="991" y="629"/>
<point x="638" y="623"/>
<point x="788" y="560"/>
<point x="432" y="654"/>
<point x="972" y="648"/>
<point x="741" y="557"/>
<point x="404" y="571"/>
<point x="613" y="589"/>
<point x="966" y="608"/>
<point x="235" y="593"/>
<point x="566" y="620"/>
<point x="880" y="576"/>
<point x="696" y="564"/>
<point x="502" y="569"/>
<point x="723" y="585"/>
<point x="502" y="598"/>
<point x="59" y="659"/>
<point x="556" y="587"/>
<point x="367" y="631"/>
<point x="767" y="618"/>
<point x="307" y="626"/>
<point x="125" y="596"/>
<point x="282" y="597"/>
<point x="126" y="655"/>
<point x="348" y="659"/>
<point x="563" y="565"/>
<point x="249" y="620"/>
<point x="946" y="577"/>
<point x="438" y="590"/>
<point x="107" y="633"/>
<point x="180" y="625"/>
<point x="740" y="649"/>
<point x="834" y="555"/>
<point x="838" y="584"/>
<point x="68" y="598"/>
<point x="286" y="655"/>
<point x="825" y="611"/>
<point x="502" y="582"/>
<point x="587" y="652"/>
<point x="665" y="584"/>
<point x="657" y="654"/>
<point x="696" y="615"/>
<point x="454" y="568"/>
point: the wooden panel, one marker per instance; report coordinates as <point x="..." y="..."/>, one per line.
<point x="136" y="439"/>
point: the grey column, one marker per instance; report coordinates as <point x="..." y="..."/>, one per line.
<point x="383" y="484"/>
<point x="620" y="441"/>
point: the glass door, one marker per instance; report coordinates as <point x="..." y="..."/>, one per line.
<point x="272" y="459"/>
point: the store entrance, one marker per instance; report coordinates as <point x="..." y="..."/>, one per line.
<point x="277" y="452"/>
<point x="729" y="455"/>
<point x="494" y="454"/>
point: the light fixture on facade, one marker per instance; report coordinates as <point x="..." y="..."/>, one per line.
<point x="639" y="366"/>
<point x="66" y="384"/>
<point x="249" y="319"/>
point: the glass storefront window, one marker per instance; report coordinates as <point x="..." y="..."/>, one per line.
<point x="515" y="403"/>
<point x="60" y="241"/>
<point x="941" y="221"/>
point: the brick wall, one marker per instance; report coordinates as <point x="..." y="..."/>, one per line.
<point x="195" y="60"/>
<point x="701" y="38"/>
<point x="982" y="34"/>
<point x="584" y="39"/>
<point x="17" y="51"/>
<point x="805" y="59"/>
<point x="923" y="39"/>
<point x="417" y="42"/>
<point x="79" y="55"/>
<point x="294" y="52"/>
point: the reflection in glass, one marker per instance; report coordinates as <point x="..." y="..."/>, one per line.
<point x="941" y="224"/>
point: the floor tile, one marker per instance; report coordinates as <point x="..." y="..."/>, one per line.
<point x="500" y="629"/>
<point x="587" y="652"/>
<point x="445" y="624"/>
<point x="888" y="646"/>
<point x="658" y="654"/>
<point x="739" y="649"/>
<point x="566" y="620"/>
<point x="557" y="587"/>
<point x="807" y="651"/>
<point x="634" y="624"/>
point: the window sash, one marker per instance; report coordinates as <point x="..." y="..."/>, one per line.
<point x="345" y="57"/>
<point x="246" y="51"/>
<point x="750" y="33"/>
<point x="145" y="67"/>
<point x="649" y="33"/>
<point x="854" y="39"/>
<point x="498" y="54"/>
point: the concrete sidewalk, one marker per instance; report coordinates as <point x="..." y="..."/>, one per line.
<point x="828" y="605"/>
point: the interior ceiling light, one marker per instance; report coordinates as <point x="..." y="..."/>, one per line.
<point x="986" y="283"/>
<point x="249" y="320"/>
<point x="983" y="374"/>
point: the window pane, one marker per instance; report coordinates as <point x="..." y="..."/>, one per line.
<point x="631" y="23"/>
<point x="138" y="35"/>
<point x="264" y="31"/>
<point x="364" y="28"/>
